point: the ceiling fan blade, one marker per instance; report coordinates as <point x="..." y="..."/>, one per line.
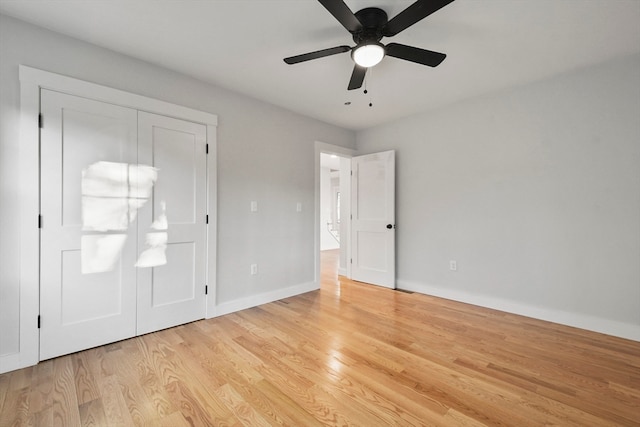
<point x="343" y="14"/>
<point x="414" y="13"/>
<point x="415" y="54"/>
<point x="357" y="77"/>
<point x="317" y="54"/>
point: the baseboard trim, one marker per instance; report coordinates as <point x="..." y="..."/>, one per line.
<point x="14" y="361"/>
<point x="263" y="298"/>
<point x="576" y="320"/>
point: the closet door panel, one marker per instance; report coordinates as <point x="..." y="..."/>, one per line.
<point x="88" y="246"/>
<point x="172" y="229"/>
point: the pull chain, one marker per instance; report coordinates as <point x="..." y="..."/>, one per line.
<point x="365" y="86"/>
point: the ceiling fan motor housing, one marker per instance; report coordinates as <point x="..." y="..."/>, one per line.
<point x="372" y="20"/>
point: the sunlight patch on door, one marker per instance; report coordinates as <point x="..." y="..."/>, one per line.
<point x="155" y="254"/>
<point x="112" y="195"/>
<point x="100" y="253"/>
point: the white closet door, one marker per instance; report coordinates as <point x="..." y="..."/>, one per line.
<point x="88" y="248"/>
<point x="172" y="228"/>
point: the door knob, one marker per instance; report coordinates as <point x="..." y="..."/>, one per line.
<point x="389" y="226"/>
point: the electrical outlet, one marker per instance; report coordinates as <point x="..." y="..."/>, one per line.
<point x="254" y="206"/>
<point x="298" y="207"/>
<point x="254" y="269"/>
<point x="453" y="265"/>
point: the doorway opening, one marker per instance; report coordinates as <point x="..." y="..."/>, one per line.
<point x="366" y="212"/>
<point x="334" y="214"/>
<point x="330" y="198"/>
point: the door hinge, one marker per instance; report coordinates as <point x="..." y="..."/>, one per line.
<point x="207" y="149"/>
<point x="206" y="290"/>
<point x="38" y="321"/>
<point x="39" y="221"/>
<point x="351" y="260"/>
<point x="40" y="121"/>
<point x="207" y="219"/>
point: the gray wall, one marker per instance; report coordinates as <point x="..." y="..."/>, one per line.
<point x="535" y="192"/>
<point x="264" y="153"/>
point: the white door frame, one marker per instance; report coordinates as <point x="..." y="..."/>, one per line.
<point x="321" y="147"/>
<point x="31" y="81"/>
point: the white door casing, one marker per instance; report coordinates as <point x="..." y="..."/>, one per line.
<point x="94" y="308"/>
<point x="373" y="218"/>
<point x="173" y="293"/>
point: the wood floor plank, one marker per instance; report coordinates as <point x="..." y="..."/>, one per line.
<point x="16" y="408"/>
<point x="201" y="372"/>
<point x="40" y="396"/>
<point x="4" y="388"/>
<point x="246" y="413"/>
<point x="348" y="354"/>
<point x="140" y="407"/>
<point x="243" y="379"/>
<point x="175" y="419"/>
<point x="113" y="402"/>
<point x="64" y="403"/>
<point x="150" y="377"/>
<point x="286" y="407"/>
<point x="86" y="387"/>
<point x="92" y="414"/>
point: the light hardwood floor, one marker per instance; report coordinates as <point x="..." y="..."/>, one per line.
<point x="349" y="354"/>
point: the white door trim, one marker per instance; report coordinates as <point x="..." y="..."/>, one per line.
<point x="72" y="86"/>
<point x="31" y="81"/>
<point x="29" y="205"/>
<point x="211" y="264"/>
<point x="322" y="147"/>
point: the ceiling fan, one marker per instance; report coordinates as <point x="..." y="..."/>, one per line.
<point x="367" y="27"/>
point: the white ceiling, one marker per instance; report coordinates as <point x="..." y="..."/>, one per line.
<point x="240" y="44"/>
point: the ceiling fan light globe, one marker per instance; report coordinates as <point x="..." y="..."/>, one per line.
<point x="368" y="55"/>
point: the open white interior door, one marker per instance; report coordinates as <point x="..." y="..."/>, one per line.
<point x="373" y="219"/>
